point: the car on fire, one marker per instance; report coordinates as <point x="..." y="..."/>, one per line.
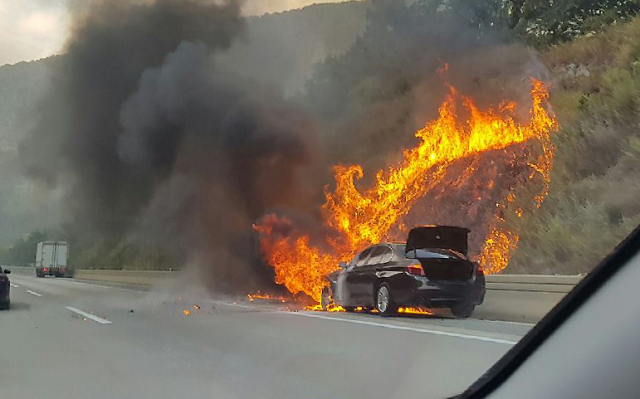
<point x="5" y="288"/>
<point x="431" y="269"/>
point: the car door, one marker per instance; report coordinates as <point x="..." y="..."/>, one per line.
<point x="352" y="281"/>
<point x="365" y="275"/>
<point x="383" y="261"/>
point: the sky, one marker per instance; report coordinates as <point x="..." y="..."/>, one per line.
<point x="34" y="29"/>
<point x="31" y="29"/>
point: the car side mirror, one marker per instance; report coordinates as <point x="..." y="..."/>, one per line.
<point x="343" y="265"/>
<point x="7" y="271"/>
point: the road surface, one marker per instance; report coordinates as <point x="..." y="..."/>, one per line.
<point x="68" y="339"/>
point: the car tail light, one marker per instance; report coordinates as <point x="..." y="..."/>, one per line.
<point x="46" y="269"/>
<point x="416" y="270"/>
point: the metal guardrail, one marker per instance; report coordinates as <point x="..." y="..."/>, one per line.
<point x="532" y="283"/>
<point x="534" y="279"/>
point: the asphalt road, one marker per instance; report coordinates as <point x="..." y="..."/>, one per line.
<point x="69" y="339"/>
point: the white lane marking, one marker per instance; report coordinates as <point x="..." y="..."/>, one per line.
<point x="88" y="315"/>
<point x="405" y="328"/>
<point x="518" y="323"/>
<point x="33" y="293"/>
<point x="14" y="286"/>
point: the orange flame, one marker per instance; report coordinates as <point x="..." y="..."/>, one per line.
<point x="366" y="217"/>
<point x="259" y="295"/>
<point x="419" y="311"/>
<point x="299" y="266"/>
<point x="331" y="308"/>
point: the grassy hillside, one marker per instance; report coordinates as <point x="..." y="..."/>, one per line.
<point x="594" y="200"/>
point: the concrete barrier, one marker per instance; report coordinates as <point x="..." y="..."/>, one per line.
<point x="22" y="270"/>
<point x="523" y="298"/>
<point x="131" y="277"/>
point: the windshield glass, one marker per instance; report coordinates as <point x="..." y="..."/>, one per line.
<point x="214" y="198"/>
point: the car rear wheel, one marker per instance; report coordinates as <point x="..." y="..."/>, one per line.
<point x="384" y="302"/>
<point x="463" y="310"/>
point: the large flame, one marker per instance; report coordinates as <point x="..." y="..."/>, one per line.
<point x="365" y="217"/>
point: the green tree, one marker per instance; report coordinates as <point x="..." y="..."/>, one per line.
<point x="23" y="251"/>
<point x="540" y="22"/>
<point x="552" y="21"/>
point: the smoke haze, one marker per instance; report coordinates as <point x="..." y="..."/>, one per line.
<point x="152" y="142"/>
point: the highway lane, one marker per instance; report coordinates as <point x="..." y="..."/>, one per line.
<point x="68" y="339"/>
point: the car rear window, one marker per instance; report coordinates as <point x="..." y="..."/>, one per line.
<point x="435" y="253"/>
<point x="381" y="254"/>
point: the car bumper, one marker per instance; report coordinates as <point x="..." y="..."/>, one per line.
<point x="54" y="271"/>
<point x="434" y="294"/>
<point x="4" y="295"/>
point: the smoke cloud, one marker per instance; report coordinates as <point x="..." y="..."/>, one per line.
<point x="154" y="144"/>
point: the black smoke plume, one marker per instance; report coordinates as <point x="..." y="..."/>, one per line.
<point x="157" y="146"/>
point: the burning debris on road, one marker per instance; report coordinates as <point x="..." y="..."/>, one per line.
<point x="267" y="297"/>
<point x="332" y="308"/>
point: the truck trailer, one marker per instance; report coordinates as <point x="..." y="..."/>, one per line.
<point x="51" y="259"/>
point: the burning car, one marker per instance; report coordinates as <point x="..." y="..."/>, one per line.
<point x="431" y="269"/>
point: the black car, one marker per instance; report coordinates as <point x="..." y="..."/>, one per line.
<point x="430" y="270"/>
<point x="5" y="287"/>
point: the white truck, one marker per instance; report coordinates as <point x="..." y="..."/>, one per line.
<point x="51" y="259"/>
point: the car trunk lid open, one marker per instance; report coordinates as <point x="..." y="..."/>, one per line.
<point x="442" y="251"/>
